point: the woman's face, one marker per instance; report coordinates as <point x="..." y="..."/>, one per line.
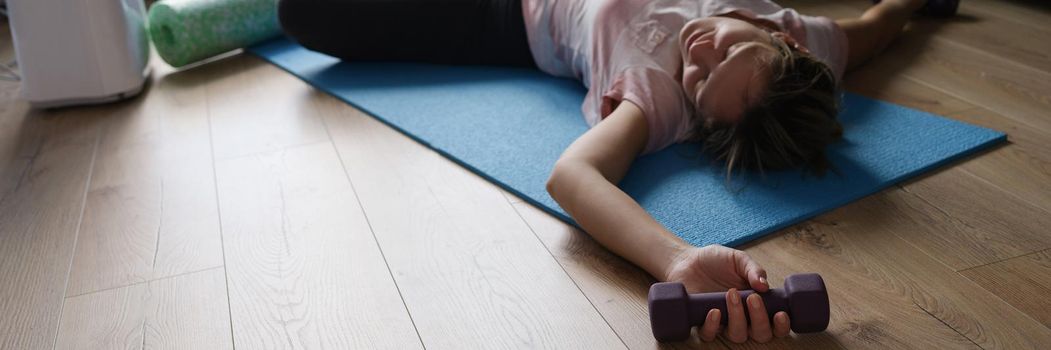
<point x="725" y="65"/>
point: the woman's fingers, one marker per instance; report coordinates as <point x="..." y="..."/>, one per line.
<point x="781" y="324"/>
<point x="751" y="271"/>
<point x="737" y="327"/>
<point x="710" y="328"/>
<point x="760" y="322"/>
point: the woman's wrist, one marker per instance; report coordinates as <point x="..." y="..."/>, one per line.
<point x="670" y="253"/>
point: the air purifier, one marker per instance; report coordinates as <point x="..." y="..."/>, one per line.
<point x="74" y="52"/>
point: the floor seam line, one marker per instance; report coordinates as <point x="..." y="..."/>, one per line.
<point x="575" y="284"/>
<point x="219" y="212"/>
<point x="142" y="282"/>
<point x="947" y="325"/>
<point x="1005" y="191"/>
<point x="80" y="224"/>
<point x="365" y="215"/>
<point x="1006" y="259"/>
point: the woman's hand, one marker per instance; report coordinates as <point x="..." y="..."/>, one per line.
<point x="717" y="268"/>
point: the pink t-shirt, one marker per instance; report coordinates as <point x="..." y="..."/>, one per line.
<point x="627" y="50"/>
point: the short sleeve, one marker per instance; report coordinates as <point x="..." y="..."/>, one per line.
<point x="828" y="42"/>
<point x="822" y="36"/>
<point x="661" y="100"/>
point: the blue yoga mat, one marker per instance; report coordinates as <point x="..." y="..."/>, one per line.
<point x="509" y="125"/>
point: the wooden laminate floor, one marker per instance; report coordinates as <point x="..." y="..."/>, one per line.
<point x="232" y="205"/>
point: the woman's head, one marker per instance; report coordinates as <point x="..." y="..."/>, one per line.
<point x="764" y="102"/>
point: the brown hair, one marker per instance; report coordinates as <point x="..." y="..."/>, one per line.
<point x="791" y="126"/>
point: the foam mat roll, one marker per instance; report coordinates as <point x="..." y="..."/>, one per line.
<point x="186" y="31"/>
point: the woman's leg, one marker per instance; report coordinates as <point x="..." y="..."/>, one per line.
<point x="869" y="34"/>
<point x="433" y="31"/>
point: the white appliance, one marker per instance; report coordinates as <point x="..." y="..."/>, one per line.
<point x="79" y="51"/>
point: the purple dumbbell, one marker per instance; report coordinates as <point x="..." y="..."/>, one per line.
<point x="673" y="312"/>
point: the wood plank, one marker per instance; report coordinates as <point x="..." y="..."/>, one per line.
<point x="859" y="242"/>
<point x="967" y="221"/>
<point x="972" y="75"/>
<point x="190" y="239"/>
<point x="38" y="227"/>
<point x="985" y="33"/>
<point x="617" y="288"/>
<point x="1020" y="94"/>
<point x="866" y="312"/>
<point x="151" y="208"/>
<point x="1023" y="282"/>
<point x="1033" y="13"/>
<point x="188" y="312"/>
<point x="1028" y="51"/>
<point x="903" y="91"/>
<point x="1028" y="157"/>
<point x="457" y="248"/>
<point x="1026" y="140"/>
<point x="303" y="267"/>
<point x="110" y="319"/>
<point x="181" y="312"/>
<point x="248" y="116"/>
<point x="1015" y="171"/>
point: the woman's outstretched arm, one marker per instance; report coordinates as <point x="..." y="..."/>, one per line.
<point x="869" y="34"/>
<point x="583" y="183"/>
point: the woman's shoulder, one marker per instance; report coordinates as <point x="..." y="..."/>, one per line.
<point x="660" y="96"/>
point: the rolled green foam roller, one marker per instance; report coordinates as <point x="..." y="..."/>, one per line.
<point x="187" y="31"/>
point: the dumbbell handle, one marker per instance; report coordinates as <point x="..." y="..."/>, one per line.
<point x="775" y="300"/>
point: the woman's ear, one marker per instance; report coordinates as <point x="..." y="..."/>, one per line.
<point x="788" y="39"/>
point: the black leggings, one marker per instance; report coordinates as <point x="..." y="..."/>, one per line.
<point x="486" y="32"/>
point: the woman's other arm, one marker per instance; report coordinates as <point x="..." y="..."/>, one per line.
<point x="871" y="33"/>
